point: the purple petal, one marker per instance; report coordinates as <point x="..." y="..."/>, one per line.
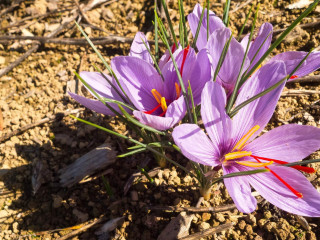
<point x="260" y="110"/>
<point x="239" y="190"/>
<point x="195" y="145"/>
<point x="215" y="119"/>
<point x="170" y="75"/>
<point x="166" y="56"/>
<point x="289" y="143"/>
<point x="175" y="112"/>
<point x="292" y="59"/>
<point x="279" y="195"/>
<point x="232" y="63"/>
<point x="95" y="105"/>
<point x="139" y="50"/>
<point x="265" y="32"/>
<point x="100" y="85"/>
<point x="214" y="23"/>
<point x="201" y="74"/>
<point x="138" y="78"/>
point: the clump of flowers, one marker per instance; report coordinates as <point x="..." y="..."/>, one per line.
<point x="236" y="92"/>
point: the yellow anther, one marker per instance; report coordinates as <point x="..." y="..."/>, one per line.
<point x="163" y="104"/>
<point x="156" y="95"/>
<point x="177" y="89"/>
<point x="254" y="164"/>
<point x="245" y="138"/>
<point x="235" y="155"/>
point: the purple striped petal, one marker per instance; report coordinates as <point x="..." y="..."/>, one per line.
<point x="215" y="119"/>
<point x="201" y="74"/>
<point x="265" y="34"/>
<point x="100" y="85"/>
<point x="260" y="110"/>
<point x="232" y="63"/>
<point x="95" y="105"/>
<point x="195" y="145"/>
<point x="279" y="195"/>
<point x="214" y="23"/>
<point x="292" y="59"/>
<point x="288" y="143"/>
<point x="138" y="78"/>
<point x="139" y="50"/>
<point x="239" y="190"/>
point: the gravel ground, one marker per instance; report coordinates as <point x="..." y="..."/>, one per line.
<point x="33" y="204"/>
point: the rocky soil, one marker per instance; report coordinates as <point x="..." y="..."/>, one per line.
<point x="34" y="205"/>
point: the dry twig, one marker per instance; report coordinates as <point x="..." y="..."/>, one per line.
<point x="290" y="93"/>
<point x="208" y="232"/>
<point x="13" y="6"/>
<point x="241" y="6"/>
<point x="307" y="79"/>
<point x="42" y="121"/>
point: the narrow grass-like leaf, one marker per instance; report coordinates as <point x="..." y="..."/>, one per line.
<point x="181" y="33"/>
<point x="135" y="142"/>
<point x="244" y="24"/>
<point x="165" y="8"/>
<point x="194" y="43"/>
<point x="237" y="174"/>
<point x="281" y="37"/>
<point x="156" y="45"/>
<point x="153" y="59"/>
<point x="136" y="122"/>
<point x="299" y="163"/>
<point x="101" y="58"/>
<point x="195" y="120"/>
<point x="226" y="13"/>
<point x="183" y="89"/>
<point x="132" y="152"/>
<point x="185" y="32"/>
<point x="222" y="57"/>
<point x="146" y="174"/>
<point x="237" y="85"/>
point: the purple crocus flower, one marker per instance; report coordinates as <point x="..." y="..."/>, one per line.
<point x="219" y="35"/>
<point x="158" y="101"/>
<point x="233" y="146"/>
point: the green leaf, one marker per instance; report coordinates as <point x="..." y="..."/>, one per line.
<point x="244" y="24"/>
<point x="299" y="163"/>
<point x="164" y="4"/>
<point x="156" y="33"/>
<point x="195" y="120"/>
<point x="237" y="174"/>
<point x="132" y="152"/>
<point x="198" y="29"/>
<point x="225" y="18"/>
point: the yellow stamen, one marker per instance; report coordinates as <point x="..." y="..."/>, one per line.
<point x="163" y="104"/>
<point x="235" y="155"/>
<point x="177" y="89"/>
<point x="156" y="95"/>
<point x="254" y="164"/>
<point x="245" y="138"/>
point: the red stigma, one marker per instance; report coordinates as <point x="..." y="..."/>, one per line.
<point x="173" y="49"/>
<point x="295" y="192"/>
<point x="185" y="52"/>
<point x="153" y="110"/>
<point x="294" y="76"/>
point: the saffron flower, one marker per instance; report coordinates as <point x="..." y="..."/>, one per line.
<point x="234" y="145"/>
<point x="219" y="35"/>
<point x="157" y="98"/>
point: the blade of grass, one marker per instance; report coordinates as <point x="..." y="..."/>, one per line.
<point x="195" y="120"/>
<point x="299" y="163"/>
<point x="225" y="18"/>
<point x="222" y="57"/>
<point x="208" y="33"/>
<point x="156" y="33"/>
<point x="280" y="38"/>
<point x="132" y="152"/>
<point x="165" y="8"/>
<point x="133" y="141"/>
<point x="244" y="24"/>
<point x="153" y="59"/>
<point x="236" y="87"/>
<point x="136" y="122"/>
<point x="101" y="58"/>
<point x="183" y="89"/>
<point x="183" y="22"/>
<point x="237" y="174"/>
<point x="198" y="29"/>
<point x="107" y="186"/>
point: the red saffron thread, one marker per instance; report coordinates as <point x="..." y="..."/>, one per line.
<point x="185" y="52"/>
